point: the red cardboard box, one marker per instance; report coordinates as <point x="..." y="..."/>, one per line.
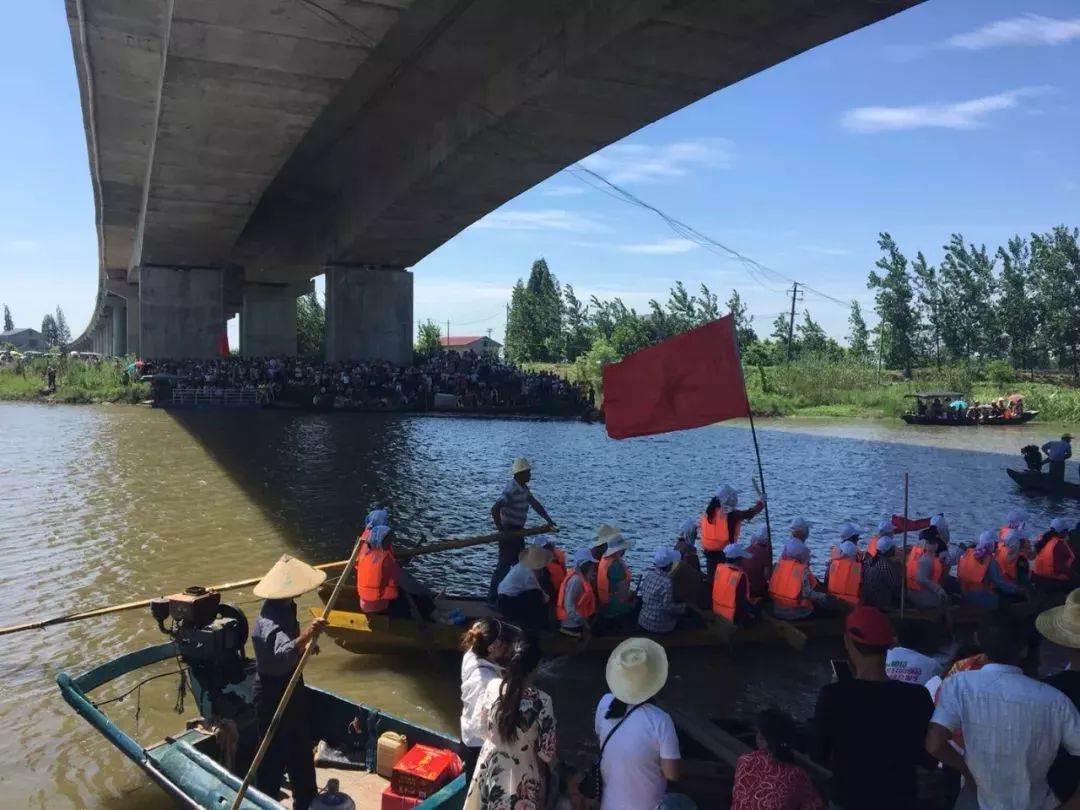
<point x="423" y="770"/>
<point x="392" y="801"/>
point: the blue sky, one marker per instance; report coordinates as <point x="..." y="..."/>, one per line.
<point x="957" y="115"/>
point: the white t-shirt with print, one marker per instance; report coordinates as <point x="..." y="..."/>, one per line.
<point x="902" y="664"/>
<point x="633" y="779"/>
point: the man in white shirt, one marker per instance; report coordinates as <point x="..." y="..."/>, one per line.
<point x="1057" y="452"/>
<point x="520" y="597"/>
<point x="1013" y="725"/>
<point x="905" y="662"/>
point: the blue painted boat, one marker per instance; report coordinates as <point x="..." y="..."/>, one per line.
<point x="198" y="770"/>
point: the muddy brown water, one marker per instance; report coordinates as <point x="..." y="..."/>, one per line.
<point x="108" y="504"/>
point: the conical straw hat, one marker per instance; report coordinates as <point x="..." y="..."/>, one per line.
<point x="288" y="579"/>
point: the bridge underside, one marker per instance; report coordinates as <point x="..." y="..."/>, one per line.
<point x="239" y="149"/>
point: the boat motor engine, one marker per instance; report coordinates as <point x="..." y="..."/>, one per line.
<point x="209" y="635"/>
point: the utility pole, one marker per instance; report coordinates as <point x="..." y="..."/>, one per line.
<point x="447" y="331"/>
<point x="796" y="295"/>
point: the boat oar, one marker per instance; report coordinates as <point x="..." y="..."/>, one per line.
<point x="445" y="545"/>
<point x="283" y="704"/>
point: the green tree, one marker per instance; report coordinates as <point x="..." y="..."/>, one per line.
<point x="811" y="337"/>
<point x="928" y="292"/>
<point x="518" y="336"/>
<point x="310" y="326"/>
<point x="9" y="324"/>
<point x="63" y="333"/>
<point x="681" y="309"/>
<point x="893" y="302"/>
<point x="858" y="335"/>
<point x="744" y="329"/>
<point x="1017" y="315"/>
<point x="576" y="323"/>
<point x="1055" y="259"/>
<point x="544" y="314"/>
<point x="967" y="290"/>
<point x="49" y="333"/>
<point x="708" y="307"/>
<point x="428" y="338"/>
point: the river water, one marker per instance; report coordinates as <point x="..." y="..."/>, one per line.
<point x="109" y="504"/>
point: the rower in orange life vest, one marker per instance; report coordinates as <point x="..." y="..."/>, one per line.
<point x="382" y="585"/>
<point x="844" y="577"/>
<point x="849" y="531"/>
<point x="721" y="524"/>
<point x="925" y="571"/>
<point x="613" y="593"/>
<point x="575" y="607"/>
<point x="884" y="529"/>
<point x="1011" y="558"/>
<point x="376" y="517"/>
<point x="1015" y="519"/>
<point x="731" y="599"/>
<point x="1052" y="569"/>
<point x="980" y="577"/>
<point x="552" y="575"/>
<point x="792" y="585"/>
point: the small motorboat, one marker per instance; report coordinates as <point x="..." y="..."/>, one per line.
<point x="951" y="416"/>
<point x="202" y="766"/>
<point x="1031" y="481"/>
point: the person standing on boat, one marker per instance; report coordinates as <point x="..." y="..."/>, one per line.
<point x="1052" y="570"/>
<point x="279" y="643"/>
<point x="1057" y="453"/>
<point x="576" y="604"/>
<point x="509" y="513"/>
<point x="721" y="524"/>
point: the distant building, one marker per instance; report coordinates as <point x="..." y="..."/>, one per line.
<point x="478" y="344"/>
<point x="25" y="340"/>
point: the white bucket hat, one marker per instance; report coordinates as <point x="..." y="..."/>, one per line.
<point x="620" y="543"/>
<point x="885" y="544"/>
<point x="760" y="536"/>
<point x="582" y="556"/>
<point x="689" y="530"/>
<point x="1061" y="525"/>
<point x="800" y="525"/>
<point x="1061" y="625"/>
<point x="288" y="579"/>
<point x="885" y="529"/>
<point x="520" y="465"/>
<point x="606" y="534"/>
<point x="1016" y="518"/>
<point x="734" y="551"/>
<point x="848" y="549"/>
<point x="636" y="670"/>
<point x="663" y="557"/>
<point x="848" y="531"/>
<point x="535" y="557"/>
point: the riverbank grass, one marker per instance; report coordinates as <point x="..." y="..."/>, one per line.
<point x="77" y="382"/>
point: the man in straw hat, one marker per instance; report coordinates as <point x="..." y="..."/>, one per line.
<point x="509" y="513"/>
<point x="1013" y="725"/>
<point x="521" y="599"/>
<point x="640" y="752"/>
<point x="1057" y="453"/>
<point x="1061" y="626"/>
<point x="279" y="644"/>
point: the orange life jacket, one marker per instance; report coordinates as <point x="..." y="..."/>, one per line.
<point x="1004" y="530"/>
<point x="374" y="579"/>
<point x="365" y="535"/>
<point x="972" y="572"/>
<point x="557" y="568"/>
<point x="785" y="585"/>
<point x="714" y="535"/>
<point x="912" y="568"/>
<point x="586" y="602"/>
<point x="727" y="582"/>
<point x="1044" y="561"/>
<point x="845" y="577"/>
<point x="1009" y="570"/>
<point x="603" y="588"/>
<point x="871" y="547"/>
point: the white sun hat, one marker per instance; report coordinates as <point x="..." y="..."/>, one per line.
<point x="618" y="544"/>
<point x="1061" y="625"/>
<point x="636" y="670"/>
<point x="582" y="556"/>
<point x="848" y="531"/>
<point x="606" y="534"/>
<point x="1016" y="517"/>
<point x="663" y="557"/>
<point x="800" y="525"/>
<point x="535" y="557"/>
<point x="760" y="535"/>
<point x="1061" y="525"/>
<point x="848" y="549"/>
<point x="885" y="529"/>
<point x="734" y="551"/>
<point x="288" y="579"/>
<point x="885" y="544"/>
<point x="520" y="465"/>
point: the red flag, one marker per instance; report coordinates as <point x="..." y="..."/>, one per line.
<point x="900" y="523"/>
<point x="223" y="345"/>
<point x="687" y="381"/>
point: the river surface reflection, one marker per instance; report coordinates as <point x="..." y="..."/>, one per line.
<point x="108" y="504"/>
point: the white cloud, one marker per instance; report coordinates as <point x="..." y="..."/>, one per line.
<point x="562" y="191"/>
<point x="555" y="219"/>
<point x="664" y="246"/>
<point x="1030" y="29"/>
<point x="630" y="162"/>
<point x="969" y="114"/>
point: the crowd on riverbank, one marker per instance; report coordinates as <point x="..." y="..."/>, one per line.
<point x="445" y="381"/>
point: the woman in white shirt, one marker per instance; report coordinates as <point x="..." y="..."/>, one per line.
<point x="484" y="646"/>
<point x="640" y="747"/>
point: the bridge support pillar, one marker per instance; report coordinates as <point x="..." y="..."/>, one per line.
<point x="369" y="313"/>
<point x="268" y="319"/>
<point x="181" y="312"/>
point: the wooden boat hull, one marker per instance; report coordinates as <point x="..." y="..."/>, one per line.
<point x="998" y="421"/>
<point x="363" y="633"/>
<point x="1030" y="481"/>
<point x="189" y="766"/>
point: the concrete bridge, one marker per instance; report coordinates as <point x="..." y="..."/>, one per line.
<point x="239" y="148"/>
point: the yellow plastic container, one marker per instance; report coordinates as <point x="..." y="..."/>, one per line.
<point x="391" y="748"/>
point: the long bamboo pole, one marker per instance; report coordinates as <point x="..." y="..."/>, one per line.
<point x="903" y="579"/>
<point x="283" y="704"/>
<point x="445" y="545"/>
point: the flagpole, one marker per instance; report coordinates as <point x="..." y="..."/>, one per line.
<point x="753" y="434"/>
<point x="903" y="557"/>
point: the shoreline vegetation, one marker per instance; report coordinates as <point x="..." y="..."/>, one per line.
<point x="78" y="382"/>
